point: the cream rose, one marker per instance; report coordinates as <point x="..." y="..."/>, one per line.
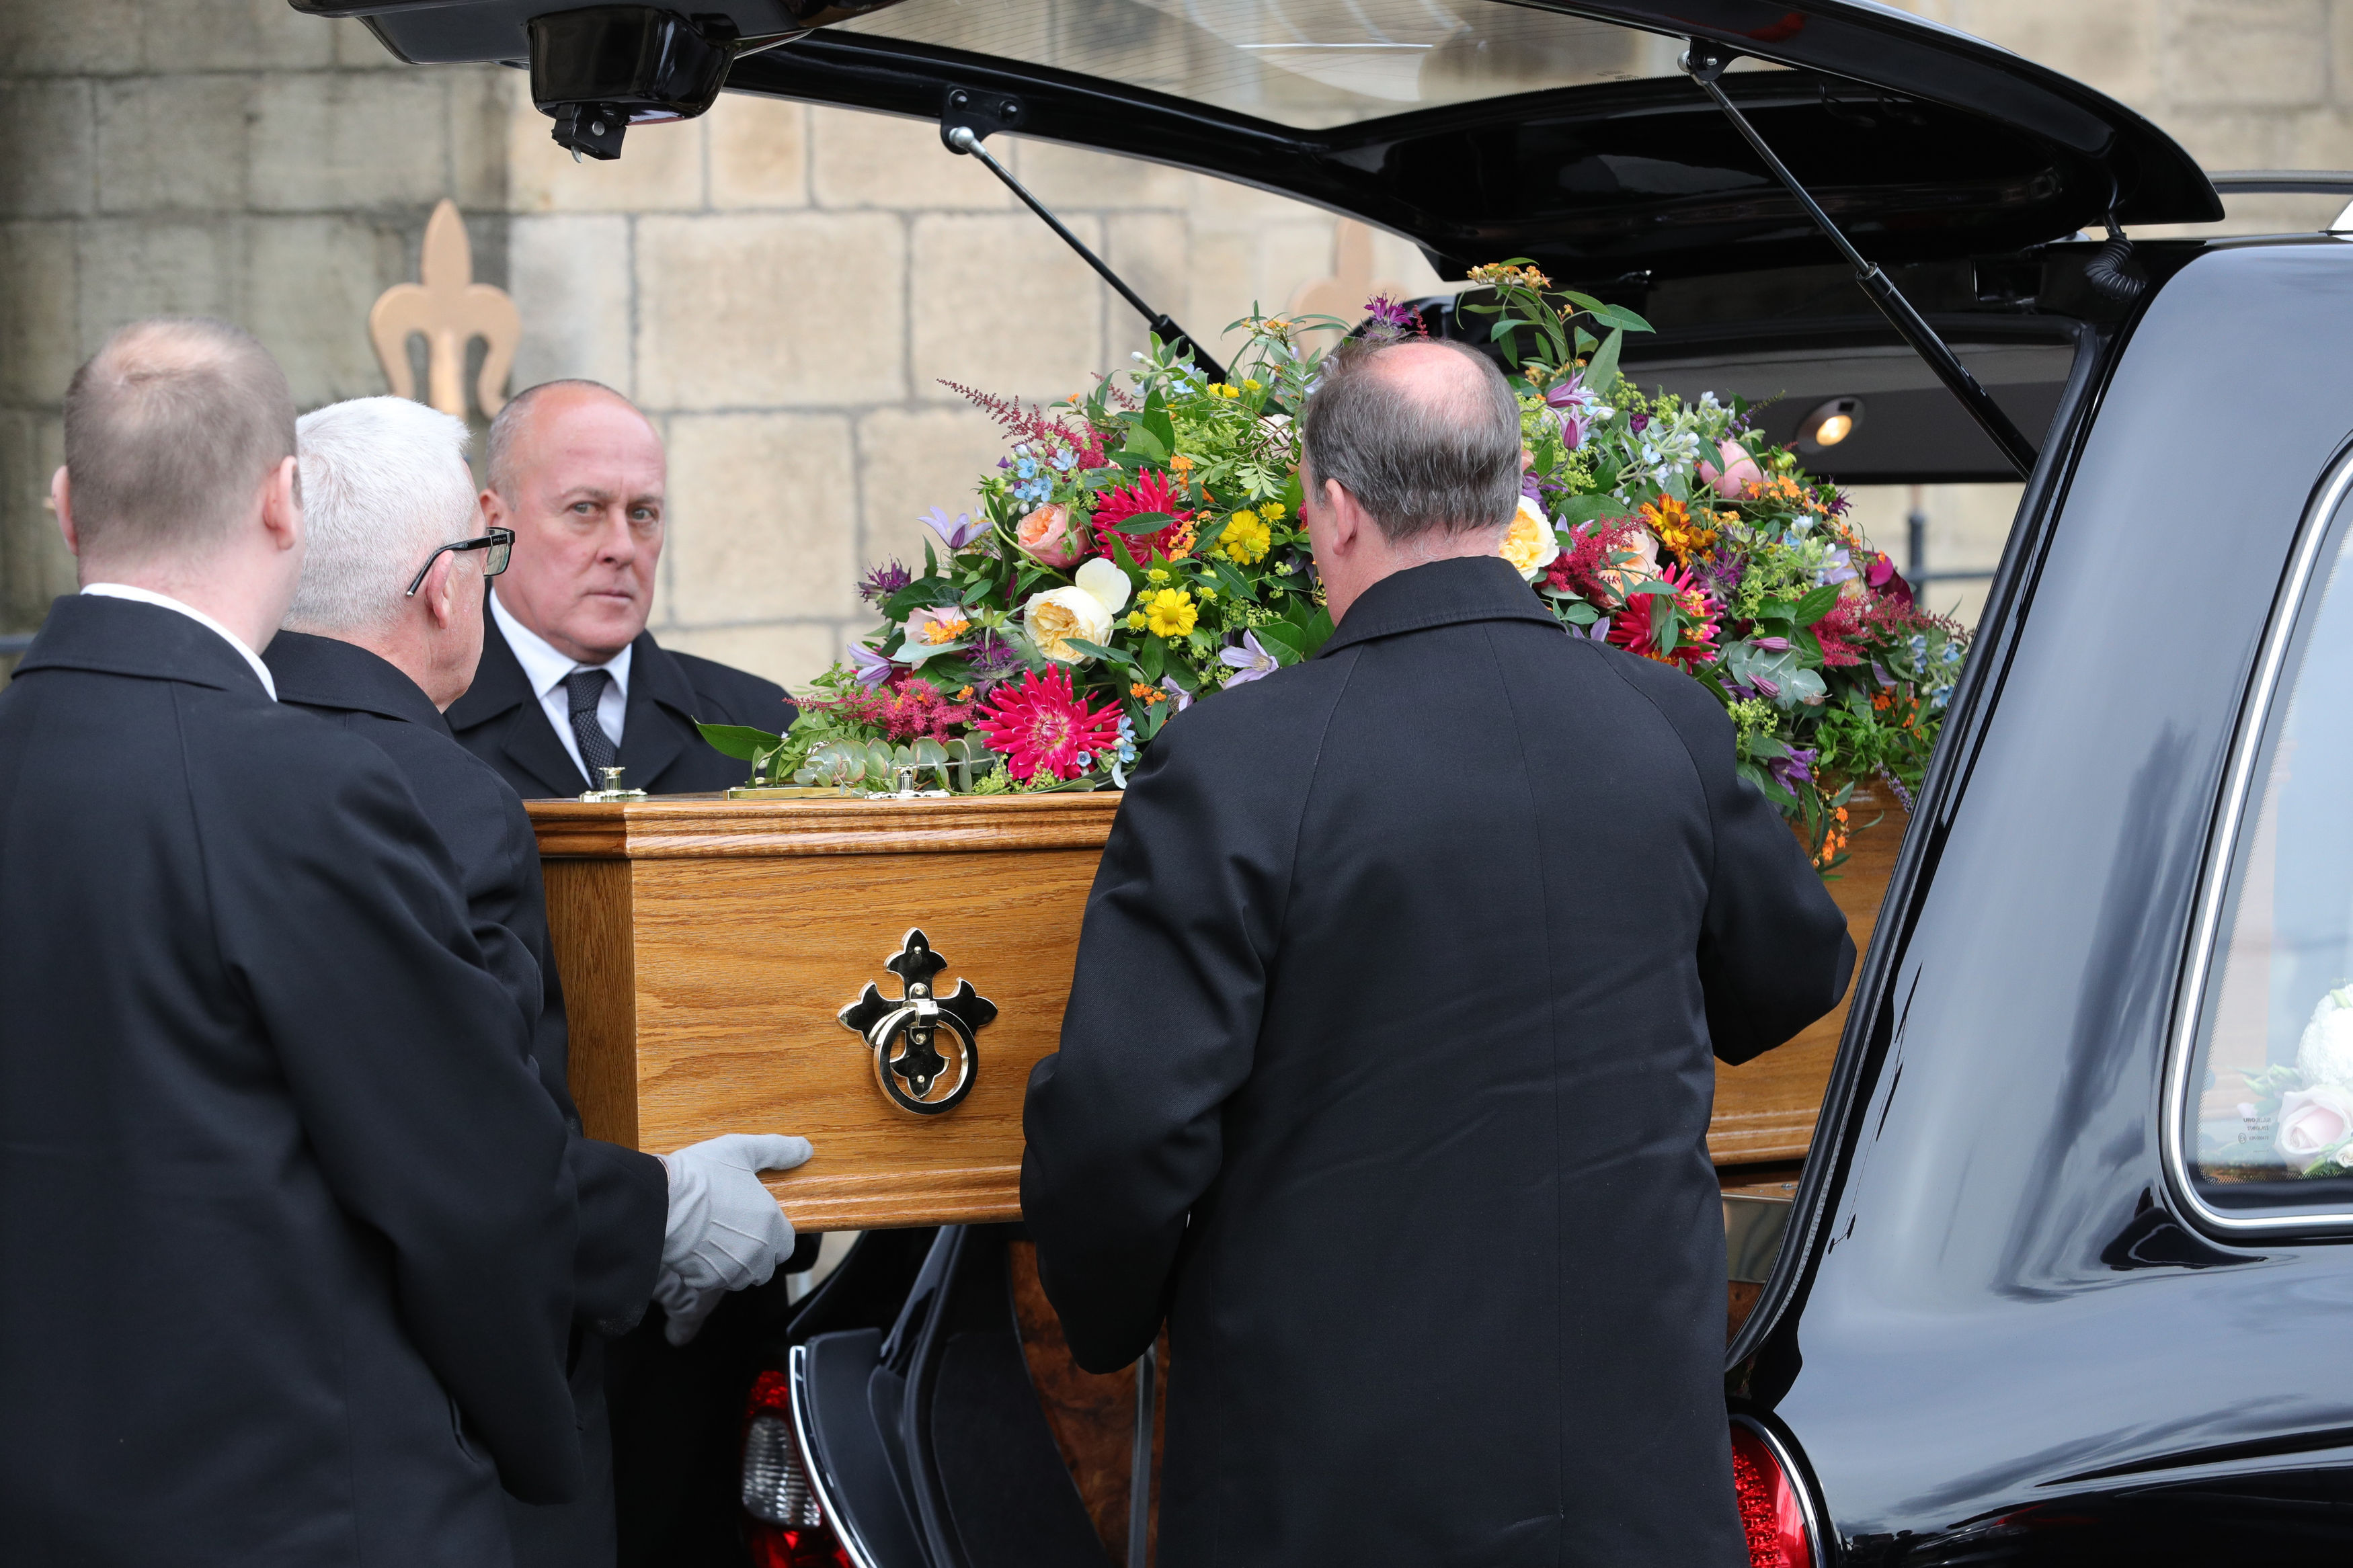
<point x="1530" y="544"/>
<point x="2325" y="1052"/>
<point x="2312" y="1121"/>
<point x="1053" y="617"/>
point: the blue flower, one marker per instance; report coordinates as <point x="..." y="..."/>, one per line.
<point x="1025" y="467"/>
<point x="1064" y="460"/>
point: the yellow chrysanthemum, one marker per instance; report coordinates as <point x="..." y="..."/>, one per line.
<point x="1681" y="531"/>
<point x="1273" y="511"/>
<point x="1169" y="613"/>
<point x="1135" y="620"/>
<point x="1246" y="539"/>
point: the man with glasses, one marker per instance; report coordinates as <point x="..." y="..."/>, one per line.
<point x="570" y="680"/>
<point x="382" y="636"/>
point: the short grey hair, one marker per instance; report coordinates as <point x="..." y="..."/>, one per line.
<point x="498" y="456"/>
<point x="1414" y="460"/>
<point x="170" y="428"/>
<point x="385" y="483"/>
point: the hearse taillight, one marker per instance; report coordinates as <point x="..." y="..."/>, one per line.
<point x="786" y="1527"/>
<point x="1773" y="1511"/>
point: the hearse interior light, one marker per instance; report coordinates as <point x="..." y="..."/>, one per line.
<point x="1830" y="423"/>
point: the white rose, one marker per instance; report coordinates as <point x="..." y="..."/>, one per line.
<point x="2325" y="1052"/>
<point x="1055" y="617"/>
<point x="1103" y="579"/>
<point x="2312" y="1121"/>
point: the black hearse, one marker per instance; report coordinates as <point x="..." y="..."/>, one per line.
<point x="2069" y="1273"/>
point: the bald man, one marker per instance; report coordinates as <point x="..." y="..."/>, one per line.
<point x="570" y="680"/>
<point x="283" y="1205"/>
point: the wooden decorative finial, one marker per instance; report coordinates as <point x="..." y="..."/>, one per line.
<point x="452" y="309"/>
<point x="1344" y="293"/>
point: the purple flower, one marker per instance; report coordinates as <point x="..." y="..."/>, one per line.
<point x="1249" y="662"/>
<point x="1391" y="320"/>
<point x="1176" y="694"/>
<point x="957" y="534"/>
<point x="1638" y="422"/>
<point x="871" y="667"/>
<point x="1575" y="405"/>
<point x="991" y="656"/>
<point x="1794" y="769"/>
<point x="1838" y="504"/>
<point x="1778" y="645"/>
<point x="1838" y="567"/>
<point x="884" y="580"/>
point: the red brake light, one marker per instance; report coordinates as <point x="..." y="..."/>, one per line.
<point x="785" y="1527"/>
<point x="1772" y="1514"/>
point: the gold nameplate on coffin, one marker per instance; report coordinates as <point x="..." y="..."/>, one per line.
<point x="718" y="955"/>
<point x="714" y="953"/>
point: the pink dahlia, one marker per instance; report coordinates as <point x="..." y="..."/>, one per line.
<point x="1043" y="726"/>
<point x="1150" y="493"/>
<point x="1694" y="639"/>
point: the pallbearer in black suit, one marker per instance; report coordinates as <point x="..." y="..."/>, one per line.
<point x="570" y="680"/>
<point x="1385" y="1075"/>
<point x="284" y="1213"/>
<point x="383" y="634"/>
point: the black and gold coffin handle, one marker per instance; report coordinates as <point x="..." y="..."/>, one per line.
<point x="905" y="1035"/>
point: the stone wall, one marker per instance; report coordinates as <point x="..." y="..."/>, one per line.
<point x="784" y="289"/>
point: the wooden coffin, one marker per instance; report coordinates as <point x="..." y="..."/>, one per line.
<point x="708" y="948"/>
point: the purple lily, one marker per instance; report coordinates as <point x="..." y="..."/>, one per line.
<point x="1795" y="769"/>
<point x="957" y="534"/>
<point x="1176" y="694"/>
<point x="871" y="667"/>
<point x="1575" y="405"/>
<point x="1249" y="662"/>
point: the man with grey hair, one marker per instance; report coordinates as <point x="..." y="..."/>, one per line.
<point x="382" y="636"/>
<point x="570" y="680"/>
<point x="286" y="1217"/>
<point x="1408" y="1143"/>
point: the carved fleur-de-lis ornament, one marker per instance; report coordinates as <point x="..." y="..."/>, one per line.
<point x="452" y="309"/>
<point x="904" y="1036"/>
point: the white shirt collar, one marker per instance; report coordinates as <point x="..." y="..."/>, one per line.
<point x="149" y="597"/>
<point x="542" y="666"/>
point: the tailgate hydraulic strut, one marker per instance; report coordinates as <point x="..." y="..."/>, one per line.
<point x="1705" y="62"/>
<point x="956" y="130"/>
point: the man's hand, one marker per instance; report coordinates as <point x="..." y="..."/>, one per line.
<point x="725" y="1232"/>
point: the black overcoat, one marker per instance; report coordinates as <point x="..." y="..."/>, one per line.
<point x="624" y="1195"/>
<point x="1386" y="1077"/>
<point x="500" y="721"/>
<point x="284" y="1216"/>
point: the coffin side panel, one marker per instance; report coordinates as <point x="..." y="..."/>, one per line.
<point x="743" y="966"/>
<point x="1765" y="1109"/>
<point x="589" y="917"/>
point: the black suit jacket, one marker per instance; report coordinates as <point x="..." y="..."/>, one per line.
<point x="500" y="721"/>
<point x="624" y="1195"/>
<point x="1385" y="1075"/>
<point x="283" y="1207"/>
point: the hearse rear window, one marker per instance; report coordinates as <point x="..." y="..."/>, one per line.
<point x="2267" y="1104"/>
<point x="1312" y="64"/>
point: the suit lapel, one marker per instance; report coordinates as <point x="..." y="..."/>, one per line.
<point x="528" y="738"/>
<point x="651" y="738"/>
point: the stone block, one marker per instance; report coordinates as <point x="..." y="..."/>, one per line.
<point x="2322" y="138"/>
<point x="38" y="348"/>
<point x="570" y="277"/>
<point x="233" y="35"/>
<point x="89" y="38"/>
<point x="660" y="168"/>
<point x="51" y="167"/>
<point x="760" y="310"/>
<point x="172" y="143"/>
<point x="2230" y="138"/>
<point x="759" y="152"/>
<point x="791" y="654"/>
<point x="1219" y="283"/>
<point x="2264" y="55"/>
<point x="1077" y="178"/>
<point x="130" y="268"/>
<point x="910" y="460"/>
<point x="344" y="140"/>
<point x="481" y="107"/>
<point x="762" y="519"/>
<point x="861" y="159"/>
<point x="309" y="282"/>
<point x="356" y="48"/>
<point x="2118" y="48"/>
<point x="998" y="302"/>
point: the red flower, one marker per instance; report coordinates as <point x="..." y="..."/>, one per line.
<point x="1629" y="628"/>
<point x="1043" y="726"/>
<point x="1578" y="569"/>
<point x="1150" y="493"/>
<point x="1837" y="632"/>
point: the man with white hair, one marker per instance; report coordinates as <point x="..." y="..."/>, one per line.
<point x="382" y="636"/>
<point x="283" y="1207"/>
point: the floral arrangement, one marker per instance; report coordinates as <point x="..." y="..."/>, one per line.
<point x="1139" y="548"/>
<point x="2301" y="1115"/>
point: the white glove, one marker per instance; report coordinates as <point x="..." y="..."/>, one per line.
<point x="724" y="1231"/>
